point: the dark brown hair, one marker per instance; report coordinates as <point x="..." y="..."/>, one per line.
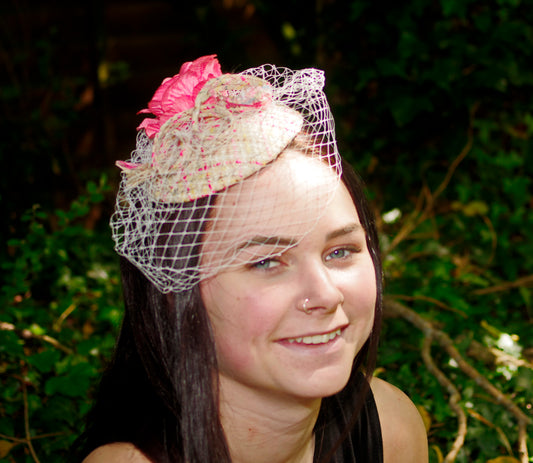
<point x="160" y="390"/>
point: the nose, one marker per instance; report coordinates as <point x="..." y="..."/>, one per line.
<point x="319" y="291"/>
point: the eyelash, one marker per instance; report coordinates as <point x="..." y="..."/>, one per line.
<point x="348" y="251"/>
<point x="259" y="264"/>
<point x="333" y="255"/>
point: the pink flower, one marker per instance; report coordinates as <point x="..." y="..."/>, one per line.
<point x="178" y="93"/>
<point x="125" y="165"/>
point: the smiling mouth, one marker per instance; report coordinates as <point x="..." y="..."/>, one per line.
<point x="316" y="339"/>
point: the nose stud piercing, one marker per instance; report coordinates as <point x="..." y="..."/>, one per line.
<point x="304" y="306"/>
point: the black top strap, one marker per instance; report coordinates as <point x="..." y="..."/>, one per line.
<point x="364" y="442"/>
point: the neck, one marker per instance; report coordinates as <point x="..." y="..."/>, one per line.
<point x="262" y="427"/>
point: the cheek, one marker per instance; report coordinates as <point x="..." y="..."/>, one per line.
<point x="240" y="324"/>
<point x="360" y="299"/>
<point x="231" y="357"/>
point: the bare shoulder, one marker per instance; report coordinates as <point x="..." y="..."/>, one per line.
<point x="402" y="428"/>
<point x="119" y="452"/>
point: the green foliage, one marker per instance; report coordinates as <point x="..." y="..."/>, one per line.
<point x="420" y="91"/>
<point x="61" y="299"/>
<point x="433" y="104"/>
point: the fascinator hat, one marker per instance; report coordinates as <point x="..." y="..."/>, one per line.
<point x="213" y="133"/>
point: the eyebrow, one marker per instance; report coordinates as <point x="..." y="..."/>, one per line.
<point x="267" y="240"/>
<point x="260" y="240"/>
<point x="353" y="227"/>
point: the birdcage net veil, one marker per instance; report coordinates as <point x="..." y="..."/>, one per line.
<point x="220" y="173"/>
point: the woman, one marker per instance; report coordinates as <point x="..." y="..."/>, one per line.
<point x="252" y="286"/>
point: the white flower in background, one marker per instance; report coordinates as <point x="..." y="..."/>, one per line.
<point x="508" y="344"/>
<point x="392" y="216"/>
<point x="453" y="363"/>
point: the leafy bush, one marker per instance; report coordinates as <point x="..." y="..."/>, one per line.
<point x="433" y="104"/>
<point x="459" y="257"/>
<point x="61" y="300"/>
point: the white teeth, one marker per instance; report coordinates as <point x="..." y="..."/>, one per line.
<point x="317" y="339"/>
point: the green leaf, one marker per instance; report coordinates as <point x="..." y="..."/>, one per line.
<point x="44" y="361"/>
<point x="11" y="344"/>
<point x="75" y="383"/>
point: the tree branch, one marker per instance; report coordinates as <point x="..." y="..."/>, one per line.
<point x="455" y="397"/>
<point x="524" y="281"/>
<point x="399" y="309"/>
<point x="27" y="334"/>
<point x="27" y="421"/>
<point x="426" y="199"/>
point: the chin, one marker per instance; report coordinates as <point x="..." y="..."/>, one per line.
<point x="330" y="384"/>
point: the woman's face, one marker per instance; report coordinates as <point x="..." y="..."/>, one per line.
<point x="265" y="341"/>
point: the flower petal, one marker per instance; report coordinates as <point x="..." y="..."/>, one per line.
<point x="178" y="93"/>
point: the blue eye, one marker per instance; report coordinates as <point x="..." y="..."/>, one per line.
<point x="265" y="264"/>
<point x="340" y="253"/>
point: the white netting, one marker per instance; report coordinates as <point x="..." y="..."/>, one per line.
<point x="219" y="179"/>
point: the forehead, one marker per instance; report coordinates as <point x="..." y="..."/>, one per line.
<point x="294" y="185"/>
<point x="285" y="199"/>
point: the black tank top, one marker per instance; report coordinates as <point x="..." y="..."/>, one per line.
<point x="364" y="443"/>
